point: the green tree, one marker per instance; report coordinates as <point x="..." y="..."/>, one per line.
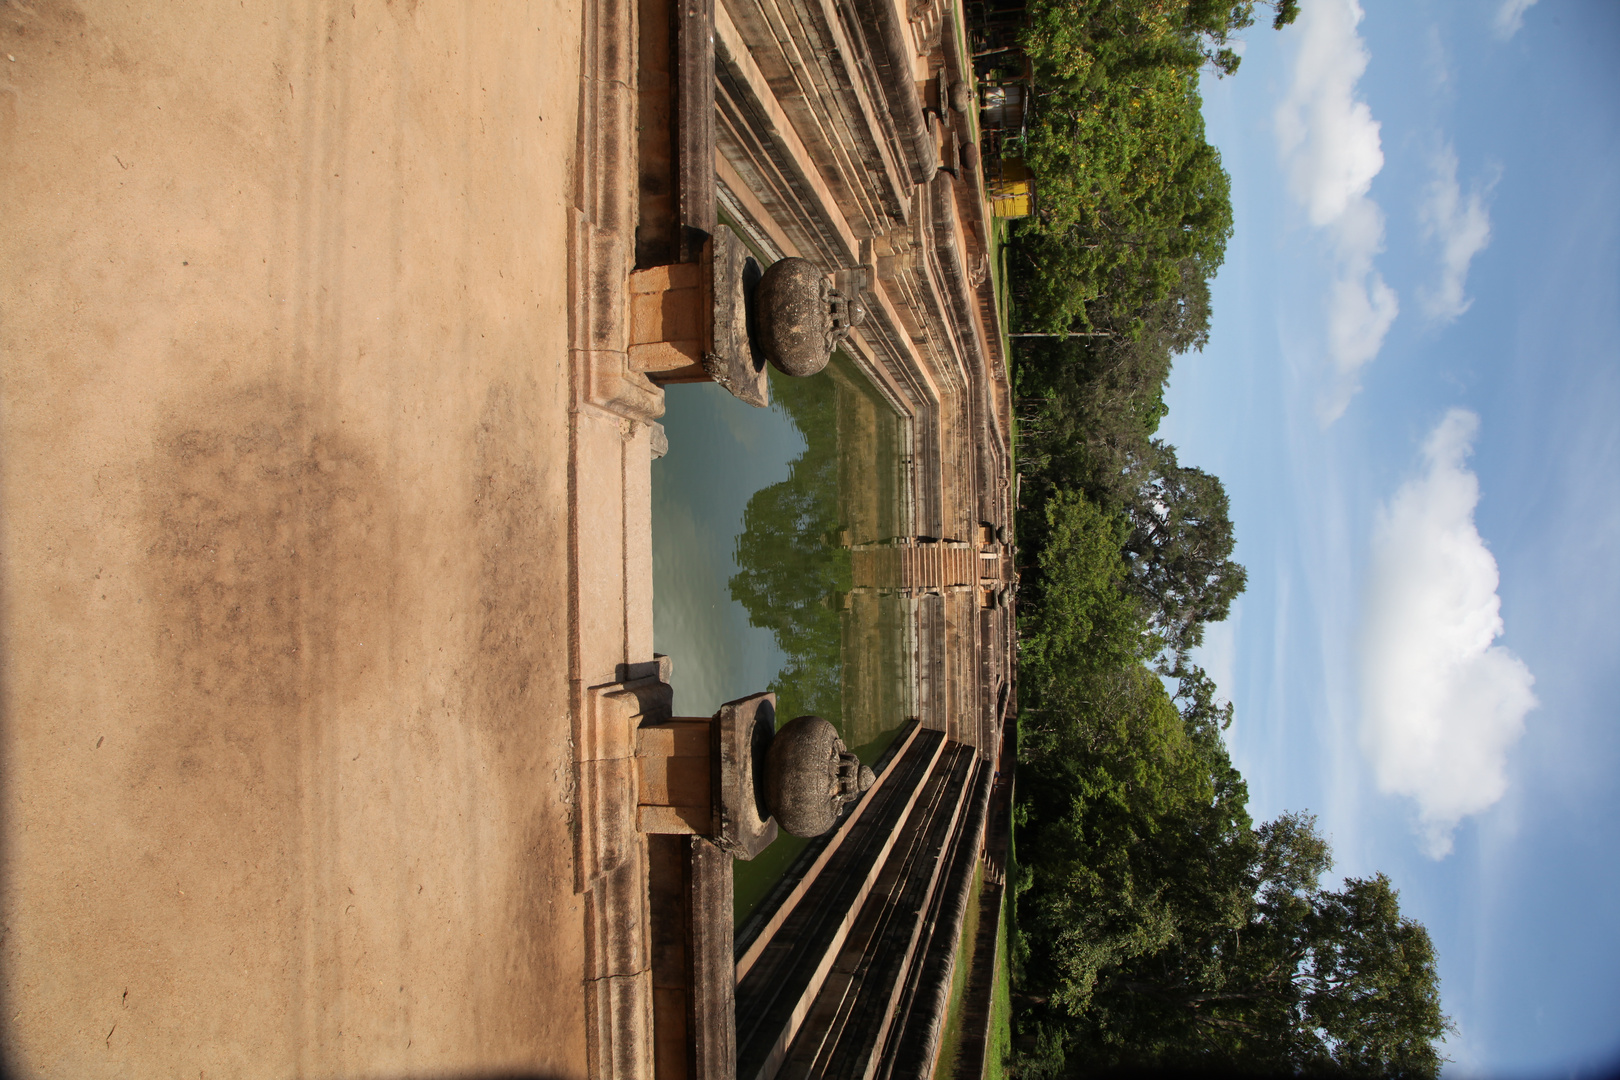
<point x="1077" y="617"/>
<point x="1126" y="34"/>
<point x="1216" y="22"/>
<point x="1104" y="791"/>
<point x="1163" y="928"/>
<point x="1175" y="547"/>
<point x="1305" y="980"/>
<point x="1089" y="406"/>
<point x="1178" y="552"/>
<point x="1129" y="188"/>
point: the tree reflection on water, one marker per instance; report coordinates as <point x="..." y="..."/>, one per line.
<point x="846" y="652"/>
<point x="791" y="569"/>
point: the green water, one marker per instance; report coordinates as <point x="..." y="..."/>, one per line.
<point x="753" y="512"/>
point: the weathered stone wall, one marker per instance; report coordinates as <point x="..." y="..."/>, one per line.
<point x="836" y="141"/>
<point x="283" y="506"/>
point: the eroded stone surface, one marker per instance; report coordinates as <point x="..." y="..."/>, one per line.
<point x="286" y="480"/>
<point x="731" y="361"/>
<point x="802" y="318"/>
<point x="744" y="734"/>
<point x="809" y="776"/>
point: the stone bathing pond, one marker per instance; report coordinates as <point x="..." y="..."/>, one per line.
<point x="754" y="513"/>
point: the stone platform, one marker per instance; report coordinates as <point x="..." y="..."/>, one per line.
<point x="325" y="488"/>
<point x="822" y="130"/>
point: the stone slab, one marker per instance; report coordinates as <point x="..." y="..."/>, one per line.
<point x="283" y="500"/>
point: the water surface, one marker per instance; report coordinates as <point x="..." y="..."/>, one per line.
<point x="754" y="511"/>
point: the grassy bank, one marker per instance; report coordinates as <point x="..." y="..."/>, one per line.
<point x="951" y="1040"/>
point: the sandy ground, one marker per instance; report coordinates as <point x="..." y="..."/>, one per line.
<point x="283" y="524"/>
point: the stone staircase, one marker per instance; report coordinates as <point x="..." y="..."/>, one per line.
<point x="845" y="972"/>
<point x="915" y="566"/>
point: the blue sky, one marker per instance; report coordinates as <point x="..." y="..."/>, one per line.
<point x="1412" y="392"/>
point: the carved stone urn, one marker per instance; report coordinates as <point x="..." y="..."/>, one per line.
<point x="801" y="317"/>
<point x="809" y="776"/>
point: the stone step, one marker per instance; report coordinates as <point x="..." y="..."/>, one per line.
<point x="775" y="990"/>
<point x="851" y="1017"/>
<point x="914" y="1038"/>
<point x="758" y="929"/>
<point x="944" y="564"/>
<point x="972" y="1054"/>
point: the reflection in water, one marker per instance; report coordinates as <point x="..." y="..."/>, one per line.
<point x="785" y="618"/>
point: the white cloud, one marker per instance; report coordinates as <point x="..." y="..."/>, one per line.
<point x="1510" y="16"/>
<point x="1330" y="147"/>
<point x="1461" y="227"/>
<point x="1441" y="703"/>
<point x="1361" y="306"/>
<point x="1329" y="140"/>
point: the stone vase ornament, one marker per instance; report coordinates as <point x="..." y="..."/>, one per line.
<point x="801" y="317"/>
<point x="809" y="776"/>
<point x="961" y="96"/>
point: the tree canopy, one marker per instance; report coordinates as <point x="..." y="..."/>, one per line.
<point x="1161" y="927"/>
<point x="1178" y="552"/>
<point x="1252" y="965"/>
